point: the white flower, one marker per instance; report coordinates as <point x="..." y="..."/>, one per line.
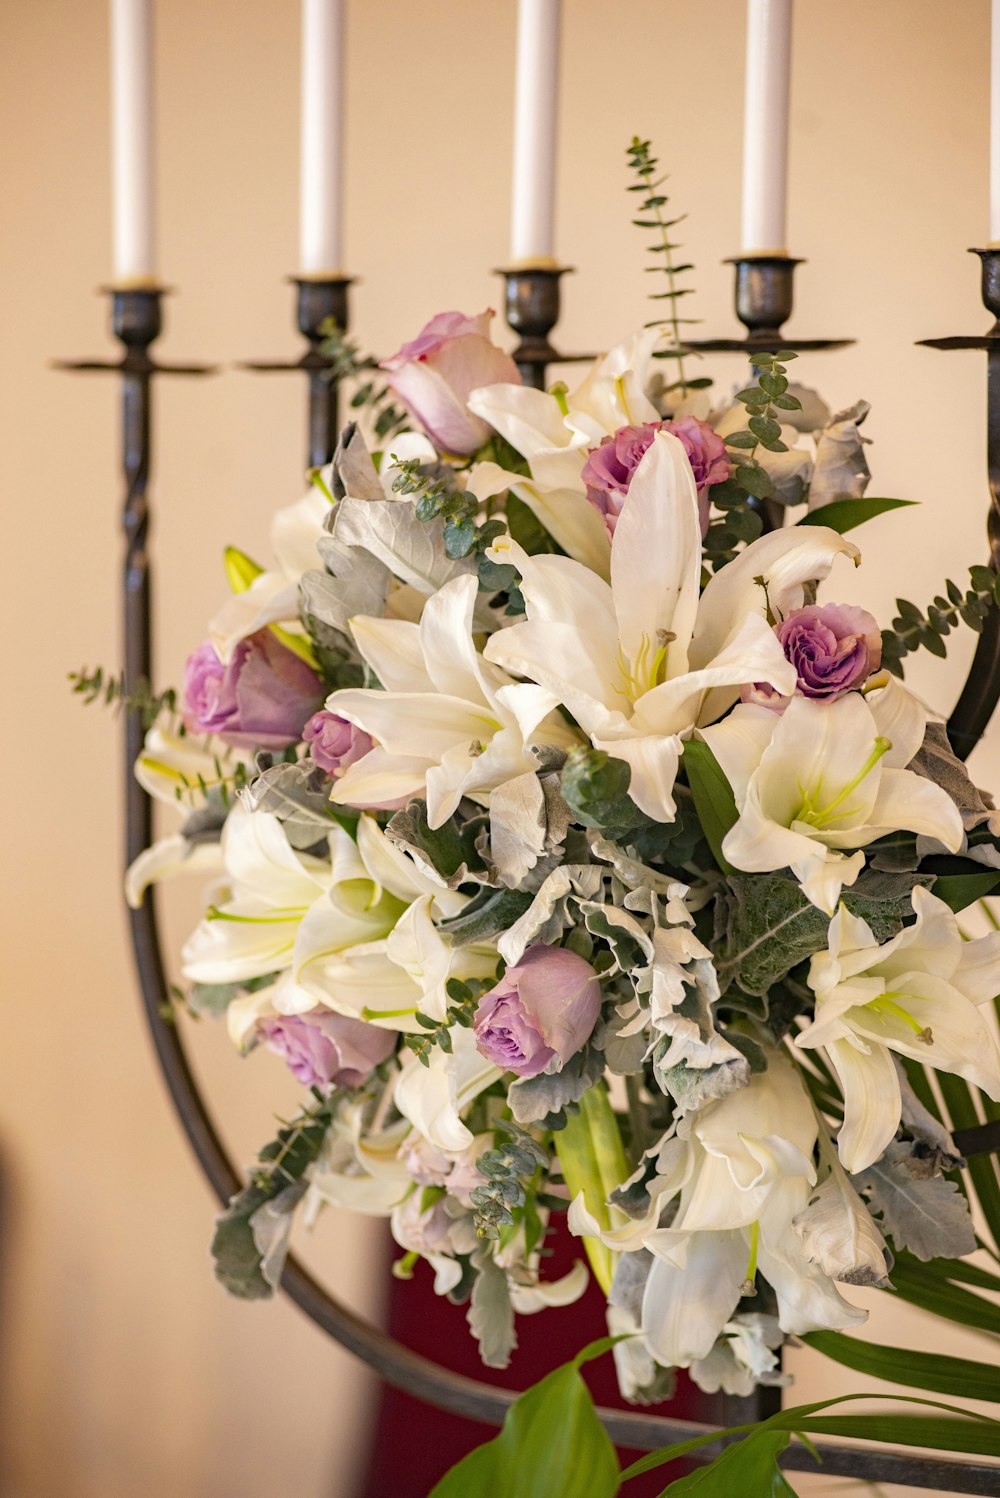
<point x="354" y="933"/>
<point x="359" y="1167"/>
<point x="641" y="661"/>
<point x="555" y="435"/>
<point x="743" y="1357"/>
<point x="823" y="777"/>
<point x="919" y="994"/>
<point x="433" y="1097"/>
<point x="448" y="723"/>
<point x="438" y="1232"/>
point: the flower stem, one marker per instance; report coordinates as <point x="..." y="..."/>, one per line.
<point x="593" y="1161"/>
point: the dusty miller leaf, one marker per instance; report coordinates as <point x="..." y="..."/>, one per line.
<point x="767" y="926"/>
<point x="937" y="761"/>
<point x="298" y="795"/>
<point x="534" y="1098"/>
<point x="491" y="1314"/>
<point x="449" y="849"/>
<point x="412" y="549"/>
<point x="927" y="1215"/>
<point x="486" y="916"/>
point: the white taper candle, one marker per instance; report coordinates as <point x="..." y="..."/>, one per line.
<point x="995" y="124"/>
<point x="321" y="183"/>
<point x="536" y="111"/>
<point x="134" y="215"/>
<point x="765" y="125"/>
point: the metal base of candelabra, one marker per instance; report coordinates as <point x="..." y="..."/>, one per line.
<point x="764" y="291"/>
<point x="531" y="303"/>
<point x="321" y="301"/>
<point x="978" y="700"/>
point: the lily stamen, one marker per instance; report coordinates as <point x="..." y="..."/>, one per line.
<point x="817" y="816"/>
<point x="290" y="913"/>
<point x="749" y="1285"/>
<point x="886" y="1004"/>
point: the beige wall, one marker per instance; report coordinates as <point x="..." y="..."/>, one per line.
<point x="125" y="1370"/>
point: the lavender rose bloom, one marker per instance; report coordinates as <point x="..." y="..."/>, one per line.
<point x="435" y="373"/>
<point x="259" y="700"/>
<point x="333" y="742"/>
<point x="834" y="647"/>
<point x="608" y="471"/>
<point x="327" y="1050"/>
<point x="540" y="1013"/>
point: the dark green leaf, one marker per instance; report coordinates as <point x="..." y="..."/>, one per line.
<point x="748" y="1466"/>
<point x="754" y="480"/>
<point x="713" y="797"/>
<point x="844" y="514"/>
<point x="960" y="1377"/>
<point x="485" y="916"/>
<point x="961" y="890"/>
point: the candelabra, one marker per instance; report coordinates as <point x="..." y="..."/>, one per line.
<point x="763" y="304"/>
<point x="321" y="304"/>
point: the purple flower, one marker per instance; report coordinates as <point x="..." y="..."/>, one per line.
<point x="608" y="471"/>
<point x="540" y="1013"/>
<point x="834" y="647"/>
<point x="327" y="1050"/>
<point x="333" y="742"/>
<point x="435" y="373"/>
<point x="259" y="700"/>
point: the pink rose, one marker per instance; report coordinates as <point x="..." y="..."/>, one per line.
<point x="437" y="371"/>
<point x="334" y="744"/>
<point x="260" y="699"/>
<point x="327" y="1050"/>
<point x="608" y="470"/>
<point x="540" y="1013"/>
<point x="834" y="647"/>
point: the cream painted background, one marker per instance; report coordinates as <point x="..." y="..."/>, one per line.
<point x="124" y="1369"/>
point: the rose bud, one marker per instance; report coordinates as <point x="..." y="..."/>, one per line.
<point x="540" y="1013"/>
<point x="325" y="1050"/>
<point x="260" y="700"/>
<point x="435" y="373"/>
<point x="608" y="471"/>
<point x="834" y="647"/>
<point x="334" y="744"/>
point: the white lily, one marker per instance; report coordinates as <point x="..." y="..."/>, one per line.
<point x="920" y="995"/>
<point x="433" y="1097"/>
<point x="748" y="1173"/>
<point x="640" y="662"/>
<point x="273" y="596"/>
<point x="181" y="771"/>
<point x="354" y="933"/>
<point x="359" y="1167"/>
<point x="554" y="435"/>
<point x="448" y="724"/>
<point x="825" y="777"/>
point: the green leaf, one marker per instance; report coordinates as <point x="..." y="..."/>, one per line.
<point x="960" y="1377"/>
<point x="930" y="1287"/>
<point x="844" y="514"/>
<point x="961" y="890"/>
<point x="754" y="480"/>
<point x="486" y="915"/>
<point x="749" y="1466"/>
<point x="551" y="1443"/>
<point x="713" y="797"/>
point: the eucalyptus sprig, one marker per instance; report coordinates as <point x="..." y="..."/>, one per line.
<point x="643" y="164"/>
<point x="464" y="998"/>
<point x="912" y="630"/>
<point x="347" y="362"/>
<point x="110" y="689"/>
<point x="464" y="535"/>
<point x="749" y="481"/>
<point x="509" y="1169"/>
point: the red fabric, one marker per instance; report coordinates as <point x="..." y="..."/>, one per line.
<point x="414" y="1445"/>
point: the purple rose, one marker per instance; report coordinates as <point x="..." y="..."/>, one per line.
<point x="259" y="700"/>
<point x="327" y="1050"/>
<point x="333" y="742"/>
<point x="541" y="1012"/>
<point x="608" y="471"/>
<point x="834" y="647"/>
<point x="437" y="371"/>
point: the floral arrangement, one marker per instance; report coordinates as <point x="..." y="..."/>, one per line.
<point x="575" y="840"/>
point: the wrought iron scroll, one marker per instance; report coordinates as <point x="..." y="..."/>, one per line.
<point x="136" y="322"/>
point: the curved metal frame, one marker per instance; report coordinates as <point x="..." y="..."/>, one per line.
<point x="137" y="322"/>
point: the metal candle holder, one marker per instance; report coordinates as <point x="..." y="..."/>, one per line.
<point x="979" y="697"/>
<point x="320" y="300"/>
<point x="532" y="306"/>
<point x="764" y="299"/>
